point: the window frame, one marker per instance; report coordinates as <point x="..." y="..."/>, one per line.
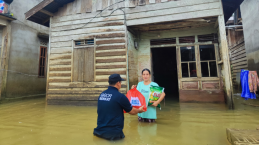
<point x="208" y="61"/>
<point x="188" y="62"/>
<point x="45" y="65"/>
<point x="198" y="61"/>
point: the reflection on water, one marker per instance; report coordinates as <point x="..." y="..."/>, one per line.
<point x="31" y="122"/>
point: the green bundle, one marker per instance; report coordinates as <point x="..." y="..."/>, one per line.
<point x="154" y="94"/>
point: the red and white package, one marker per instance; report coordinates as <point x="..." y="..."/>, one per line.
<point x="136" y="99"/>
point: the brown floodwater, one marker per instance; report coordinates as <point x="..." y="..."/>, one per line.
<point x="32" y="122"/>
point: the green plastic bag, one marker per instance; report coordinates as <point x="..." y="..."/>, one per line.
<point x="154" y="95"/>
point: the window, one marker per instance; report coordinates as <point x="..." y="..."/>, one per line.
<point x="42" y="62"/>
<point x="87" y="42"/>
<point x="208" y="61"/>
<point x="188" y="61"/>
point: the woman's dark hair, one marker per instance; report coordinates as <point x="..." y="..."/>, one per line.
<point x="146" y="70"/>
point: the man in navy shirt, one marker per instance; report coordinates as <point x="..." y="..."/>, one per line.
<point x="111" y="104"/>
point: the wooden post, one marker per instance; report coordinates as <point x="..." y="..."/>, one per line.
<point x="95" y="59"/>
<point x="226" y="62"/>
<point x="6" y="43"/>
<point x="127" y="57"/>
<point x="178" y="60"/>
<point x="72" y="59"/>
<point x="47" y="85"/>
<point x="198" y="62"/>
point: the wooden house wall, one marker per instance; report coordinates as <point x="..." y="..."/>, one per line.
<point x="142" y="14"/>
<point x="237" y="53"/>
<point x="76" y="22"/>
<point x="110" y="57"/>
<point x="89" y="6"/>
<point x="238" y="61"/>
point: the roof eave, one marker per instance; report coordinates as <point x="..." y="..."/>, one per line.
<point x="42" y="12"/>
<point x="7" y="17"/>
<point x="37" y="8"/>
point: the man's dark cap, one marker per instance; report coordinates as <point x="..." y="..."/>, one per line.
<point x="115" y="78"/>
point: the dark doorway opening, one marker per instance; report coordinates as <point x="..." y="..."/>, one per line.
<point x="164" y="67"/>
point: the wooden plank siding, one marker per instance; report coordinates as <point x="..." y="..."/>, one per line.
<point x="174" y="7"/>
<point x="238" y="60"/>
<point x="81" y="74"/>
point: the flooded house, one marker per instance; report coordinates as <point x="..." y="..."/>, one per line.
<point x="183" y="42"/>
<point x="23" y="48"/>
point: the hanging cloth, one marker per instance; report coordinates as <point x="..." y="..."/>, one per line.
<point x="245" y="85"/>
<point x="253" y="81"/>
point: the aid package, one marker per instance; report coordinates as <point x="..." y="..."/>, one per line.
<point x="136" y="99"/>
<point x="154" y="94"/>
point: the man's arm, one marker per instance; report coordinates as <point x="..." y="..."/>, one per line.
<point x="135" y="111"/>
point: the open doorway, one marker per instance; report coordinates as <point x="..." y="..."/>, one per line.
<point x="165" y="70"/>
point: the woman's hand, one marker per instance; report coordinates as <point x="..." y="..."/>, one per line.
<point x="133" y="86"/>
<point x="155" y="103"/>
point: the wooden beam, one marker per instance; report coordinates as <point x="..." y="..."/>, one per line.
<point x="132" y="31"/>
<point x="48" y="19"/>
<point x="38" y="18"/>
<point x="37" y="8"/>
<point x="226" y="61"/>
<point x="3" y="22"/>
<point x="48" y="57"/>
<point x="46" y="12"/>
<point x="216" y="24"/>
